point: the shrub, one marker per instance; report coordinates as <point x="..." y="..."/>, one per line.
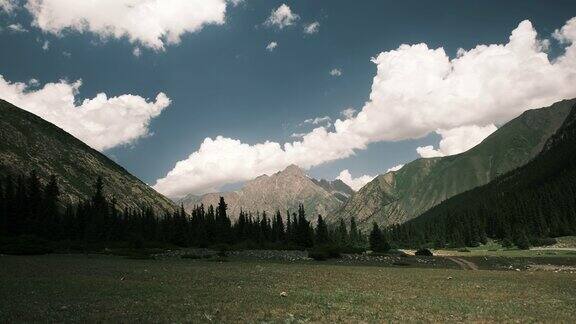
<point x="543" y="241"/>
<point x="423" y="252"/>
<point x="324" y="252"/>
<point x="352" y="249"/>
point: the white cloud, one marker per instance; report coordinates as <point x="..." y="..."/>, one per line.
<point x="100" y="122"/>
<point x="281" y="17"/>
<point x="395" y="168"/>
<point x="354" y="183"/>
<point x="567" y="34"/>
<point x="318" y="120"/>
<point x="236" y="2"/>
<point x="17" y="28"/>
<point x="150" y="23"/>
<point x="297" y="135"/>
<point x="67" y="54"/>
<point x="336" y="72"/>
<point x="457" y="140"/>
<point x="311" y="28"/>
<point x="8" y="6"/>
<point x="46" y="45"/>
<point x="271" y="46"/>
<point x="348" y="112"/>
<point x="137" y="52"/>
<point x="416" y="91"/>
<point x="428" y="152"/>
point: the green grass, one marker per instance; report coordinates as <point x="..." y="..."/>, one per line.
<point x="494" y="249"/>
<point x="76" y="288"/>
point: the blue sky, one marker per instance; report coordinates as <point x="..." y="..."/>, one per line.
<point x="222" y="81"/>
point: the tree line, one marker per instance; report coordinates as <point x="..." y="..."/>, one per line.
<point x="29" y="207"/>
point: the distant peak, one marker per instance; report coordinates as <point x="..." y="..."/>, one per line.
<point x="294" y="169"/>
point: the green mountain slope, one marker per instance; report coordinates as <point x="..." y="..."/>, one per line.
<point x="537" y="200"/>
<point x="27" y="142"/>
<point x="396" y="197"/>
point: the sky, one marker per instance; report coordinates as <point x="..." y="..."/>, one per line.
<point x="194" y="96"/>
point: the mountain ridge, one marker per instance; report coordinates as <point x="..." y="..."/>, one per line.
<point x="282" y="191"/>
<point x="398" y="196"/>
<point x="28" y="142"/>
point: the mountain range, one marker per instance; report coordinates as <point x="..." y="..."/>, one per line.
<point x="27" y="143"/>
<point x="281" y="191"/>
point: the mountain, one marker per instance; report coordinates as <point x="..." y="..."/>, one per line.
<point x="398" y="196"/>
<point x="534" y="201"/>
<point x="27" y="142"/>
<point x="281" y="191"/>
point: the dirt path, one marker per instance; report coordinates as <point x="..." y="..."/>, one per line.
<point x="464" y="264"/>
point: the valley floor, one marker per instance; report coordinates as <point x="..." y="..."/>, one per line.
<point x="96" y="288"/>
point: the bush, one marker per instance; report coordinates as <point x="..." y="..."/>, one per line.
<point x="352" y="249"/>
<point x="423" y="252"/>
<point x="324" y="252"/>
<point x="543" y="241"/>
<point x="25" y="245"/>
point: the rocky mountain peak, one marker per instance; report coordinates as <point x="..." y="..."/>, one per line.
<point x="294" y="170"/>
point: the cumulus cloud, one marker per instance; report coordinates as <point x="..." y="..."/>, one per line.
<point x="395" y="168"/>
<point x="348" y="112"/>
<point x="136" y="52"/>
<point x="354" y="183"/>
<point x="417" y="90"/>
<point x="311" y="28"/>
<point x="281" y="17"/>
<point x="271" y="46"/>
<point x="46" y="45"/>
<point x="102" y="122"/>
<point x="457" y="140"/>
<point x="150" y="23"/>
<point x="336" y="72"/>
<point x="567" y="34"/>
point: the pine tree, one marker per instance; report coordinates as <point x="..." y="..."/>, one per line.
<point x="321" y="232"/>
<point x="377" y="241"/>
<point x="342" y="234"/>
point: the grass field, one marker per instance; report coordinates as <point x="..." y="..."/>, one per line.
<point x="64" y="288"/>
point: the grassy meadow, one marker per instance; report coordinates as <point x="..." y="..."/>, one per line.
<point x="101" y="288"/>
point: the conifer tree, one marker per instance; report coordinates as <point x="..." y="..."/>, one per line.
<point x="321" y="232"/>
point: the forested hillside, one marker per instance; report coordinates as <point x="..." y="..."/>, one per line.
<point x="535" y="201"/>
<point x="29" y="143"/>
<point x="396" y="197"/>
